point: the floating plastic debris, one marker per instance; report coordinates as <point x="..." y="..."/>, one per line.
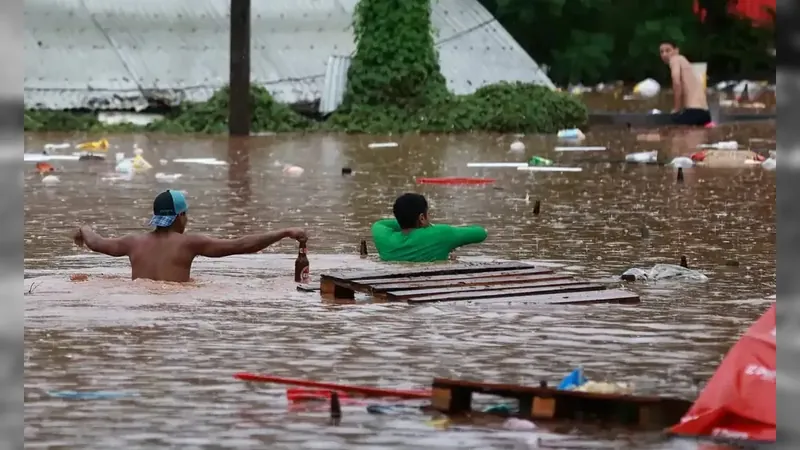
<point x="573" y="134"/>
<point x="647" y="88"/>
<point x="604" y="387"/>
<point x="293" y="171"/>
<point x="517" y="146"/>
<point x="167" y="177"/>
<point x="724" y="145"/>
<point x="204" y="161"/>
<point x="518" y="424"/>
<point x="50" y="180"/>
<point x="580" y="149"/>
<point x="496" y="164"/>
<point x="36" y="157"/>
<point x="550" y="169"/>
<point x="61" y="146"/>
<point x="664" y="272"/>
<point x="539" y="161"/>
<point x="642" y="157"/>
<point x="91" y="395"/>
<point x="101" y="145"/>
<point x="383" y="145"/>
<point x="683" y="162"/>
<point x="769" y="163"/>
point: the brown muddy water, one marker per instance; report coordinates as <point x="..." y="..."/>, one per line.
<point x="176" y="347"/>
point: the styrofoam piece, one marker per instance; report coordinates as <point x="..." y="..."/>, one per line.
<point x="496" y="164"/>
<point x="383" y="145"/>
<point x="205" y="161"/>
<point x="580" y="149"/>
<point x="39" y="157"/>
<point x="550" y="169"/>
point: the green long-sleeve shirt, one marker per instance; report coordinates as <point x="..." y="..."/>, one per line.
<point x="433" y="243"/>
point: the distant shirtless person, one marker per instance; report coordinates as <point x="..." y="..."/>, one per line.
<point x="166" y="253"/>
<point x="691" y="105"/>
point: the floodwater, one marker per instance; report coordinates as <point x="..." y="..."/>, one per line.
<point x="174" y="348"/>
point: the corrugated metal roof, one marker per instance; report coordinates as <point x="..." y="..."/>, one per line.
<point x="120" y="54"/>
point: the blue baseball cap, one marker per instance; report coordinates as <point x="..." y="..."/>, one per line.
<point x="166" y="208"/>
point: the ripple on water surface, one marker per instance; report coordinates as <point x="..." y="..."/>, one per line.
<point x="178" y="345"/>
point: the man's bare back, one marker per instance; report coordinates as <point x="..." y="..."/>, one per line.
<point x="692" y="91"/>
<point x="166" y="254"/>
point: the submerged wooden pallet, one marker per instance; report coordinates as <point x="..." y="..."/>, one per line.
<point x="542" y="403"/>
<point x="516" y="282"/>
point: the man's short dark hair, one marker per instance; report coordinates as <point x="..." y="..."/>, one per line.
<point x="407" y="209"/>
<point x="669" y="42"/>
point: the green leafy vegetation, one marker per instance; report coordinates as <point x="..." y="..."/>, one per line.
<point x="591" y="41"/>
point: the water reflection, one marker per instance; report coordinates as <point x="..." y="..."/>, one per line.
<point x="178" y="345"/>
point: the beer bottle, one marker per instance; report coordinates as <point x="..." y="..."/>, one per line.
<point x="301" y="274"/>
<point x="363" y="248"/>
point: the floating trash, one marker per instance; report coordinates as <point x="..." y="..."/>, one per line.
<point x="101" y="145"/>
<point x="682" y="162"/>
<point x="664" y="272"/>
<point x="36" y="157"/>
<point x="724" y="145"/>
<point x="539" y="161"/>
<point x="769" y="163"/>
<point x="517" y="146"/>
<point x="571" y="134"/>
<point x="61" y="146"/>
<point x="50" y="180"/>
<point x="647" y="88"/>
<point x="518" y="424"/>
<point x="550" y="169"/>
<point x="642" y="157"/>
<point x="383" y="145"/>
<point x="293" y="171"/>
<point x="496" y="164"/>
<point x="580" y="149"/>
<point x="167" y="177"/>
<point x="91" y="395"/>
<point x="204" y="161"/>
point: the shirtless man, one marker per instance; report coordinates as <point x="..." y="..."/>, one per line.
<point x="691" y="105"/>
<point x="166" y="253"/>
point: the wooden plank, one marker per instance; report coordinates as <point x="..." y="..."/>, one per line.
<point x="416" y="293"/>
<point x="547" y="403"/>
<point x="504" y="294"/>
<point x="575" y="297"/>
<point x="531" y="270"/>
<point x="437" y="269"/>
<point x="468" y="280"/>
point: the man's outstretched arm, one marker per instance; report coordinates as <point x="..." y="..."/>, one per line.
<point x="217" y="248"/>
<point x="96" y="243"/>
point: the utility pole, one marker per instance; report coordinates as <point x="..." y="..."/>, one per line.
<point x="239" y="78"/>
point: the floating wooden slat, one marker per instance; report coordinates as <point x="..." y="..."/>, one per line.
<point x="619" y="296"/>
<point x="543" y="403"/>
<point x="531" y="270"/>
<point x="438" y="269"/>
<point x="472" y="281"/>
<point x="569" y="286"/>
<point x="475" y="292"/>
<point x="498" y="282"/>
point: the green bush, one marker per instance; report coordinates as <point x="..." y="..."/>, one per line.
<point x="394" y="84"/>
<point x="212" y="116"/>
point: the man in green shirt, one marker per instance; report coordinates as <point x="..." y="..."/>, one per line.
<point x="410" y="237"/>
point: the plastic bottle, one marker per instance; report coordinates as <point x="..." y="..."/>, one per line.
<point x="539" y="161"/>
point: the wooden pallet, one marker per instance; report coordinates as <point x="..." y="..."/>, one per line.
<point x="516" y="282"/>
<point x="542" y="403"/>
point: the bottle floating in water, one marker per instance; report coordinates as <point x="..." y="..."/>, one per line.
<point x="539" y="161"/>
<point x="363" y="248"/>
<point x="301" y="265"/>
